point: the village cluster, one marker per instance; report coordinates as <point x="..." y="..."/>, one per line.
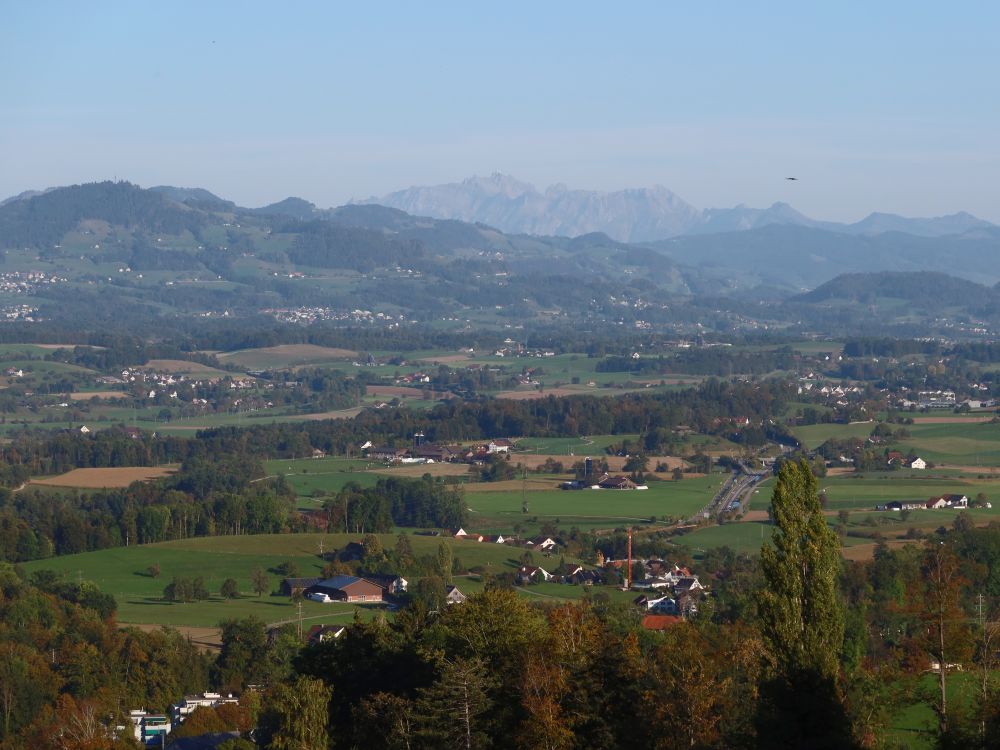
<point x="309" y="315"/>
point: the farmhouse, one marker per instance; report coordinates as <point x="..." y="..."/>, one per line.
<point x="918" y="463"/>
<point x="291" y="586"/>
<point x="532" y="574"/>
<point x="659" y="622"/>
<point x="386" y="453"/>
<point x="437" y="453"/>
<point x="321" y="633"/>
<point x="454" y="596"/>
<point x="389" y="583"/>
<point x="616" y="483"/>
<point x="949" y="501"/>
<point x="500" y="445"/>
<point x="348" y="589"/>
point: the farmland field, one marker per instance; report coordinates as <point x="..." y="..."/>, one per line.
<point x="813" y="435"/>
<point x="976" y="444"/>
<point x="284" y="356"/>
<point x="103" y="478"/>
<point x="499" y="510"/>
<point x="846" y="492"/>
<point x="182" y="366"/>
<point x="742" y="537"/>
<point x="122" y="572"/>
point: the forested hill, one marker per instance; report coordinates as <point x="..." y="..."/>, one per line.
<point x="43" y="220"/>
<point x="180" y="256"/>
<point x="924" y="288"/>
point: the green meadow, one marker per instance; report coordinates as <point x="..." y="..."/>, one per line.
<point x="592" y="508"/>
<point x="742" y="537"/>
<point x="122" y="572"/>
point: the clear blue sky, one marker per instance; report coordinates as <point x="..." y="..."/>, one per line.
<point x="889" y="106"/>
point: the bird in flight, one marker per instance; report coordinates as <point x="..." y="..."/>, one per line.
<point x="791" y="178"/>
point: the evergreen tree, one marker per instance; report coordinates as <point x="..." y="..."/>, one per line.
<point x="451" y="710"/>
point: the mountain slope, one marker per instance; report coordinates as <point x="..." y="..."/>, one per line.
<point x="805" y="257"/>
<point x="632" y="215"/>
<point x="517" y="207"/>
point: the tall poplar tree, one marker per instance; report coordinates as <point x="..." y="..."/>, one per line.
<point x="801" y="613"/>
<point x="802" y="621"/>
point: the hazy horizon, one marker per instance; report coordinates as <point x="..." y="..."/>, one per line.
<point x="875" y="109"/>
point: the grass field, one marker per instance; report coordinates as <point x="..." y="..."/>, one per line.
<point x="499" y="510"/>
<point x="284" y="356"/>
<point x="846" y="492"/>
<point x="742" y="537"/>
<point x="583" y="446"/>
<point x="182" y="366"/>
<point x="122" y="572"/>
<point x="814" y="435"/>
<point x="969" y="444"/>
<point x="326" y="475"/>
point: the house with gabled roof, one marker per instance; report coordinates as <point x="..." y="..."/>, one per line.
<point x="348" y="589"/>
<point x="291" y="586"/>
<point x="532" y="574"/>
<point x="616" y="483"/>
<point x="659" y="622"/>
<point x="323" y="633"/>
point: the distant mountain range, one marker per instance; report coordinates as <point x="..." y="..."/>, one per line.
<point x="168" y="247"/>
<point x="632" y="215"/>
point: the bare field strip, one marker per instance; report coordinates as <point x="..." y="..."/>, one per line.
<point x="418" y="470"/>
<point x="515" y="485"/>
<point x="87" y="395"/>
<point x="615" y="463"/>
<point x="445" y="359"/>
<point x="102" y="478"/>
<point x="860" y="552"/>
<point x="402" y="391"/>
<point x="529" y="395"/>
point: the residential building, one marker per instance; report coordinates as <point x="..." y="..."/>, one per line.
<point x="348" y="589"/>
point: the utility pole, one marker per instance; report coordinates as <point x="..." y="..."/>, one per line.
<point x="299" y="607"/>
<point x="628" y="570"/>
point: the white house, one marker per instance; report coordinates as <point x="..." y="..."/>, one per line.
<point x="918" y="463"/>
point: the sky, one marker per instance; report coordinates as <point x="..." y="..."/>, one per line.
<point x="889" y="106"/>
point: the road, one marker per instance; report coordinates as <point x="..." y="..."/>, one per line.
<point x="737" y="488"/>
